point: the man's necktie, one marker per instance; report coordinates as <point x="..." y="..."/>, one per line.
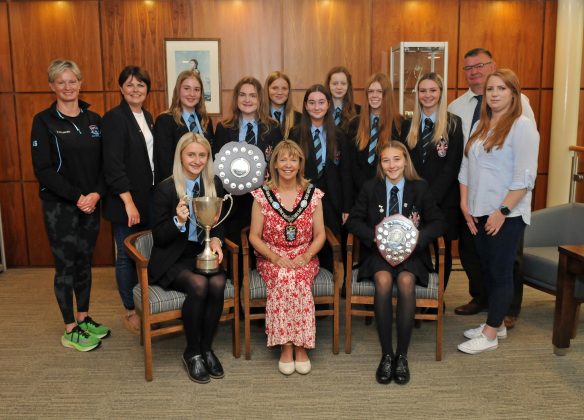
<point x="318" y="152"/>
<point x="373" y="141"/>
<point x="393" y="201"/>
<point x="192" y="124"/>
<point x="250" y="135"/>
<point x="337" y="115"/>
<point x="277" y="115"/>
<point x="196" y="229"/>
<point x="477" y="112"/>
<point x="427" y="138"/>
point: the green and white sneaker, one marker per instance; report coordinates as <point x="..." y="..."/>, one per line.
<point x="92" y="327"/>
<point x="80" y="340"/>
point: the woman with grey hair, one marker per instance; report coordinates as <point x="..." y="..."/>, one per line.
<point x="66" y="156"/>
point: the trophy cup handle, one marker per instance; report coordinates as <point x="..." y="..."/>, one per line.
<point x="230" y="198"/>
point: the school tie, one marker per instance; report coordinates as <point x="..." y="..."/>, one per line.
<point x="393" y="201"/>
<point x="195" y="231"/>
<point x="277" y="115"/>
<point x="318" y="152"/>
<point x="337" y="115"/>
<point x="477" y="112"/>
<point x="373" y="141"/>
<point x="192" y="124"/>
<point x="427" y="138"/>
<point x="250" y="135"/>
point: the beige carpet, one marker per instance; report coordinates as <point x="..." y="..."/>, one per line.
<point x="41" y="379"/>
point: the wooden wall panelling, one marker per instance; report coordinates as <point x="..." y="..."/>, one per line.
<point x="549" y="44"/>
<point x="13" y="222"/>
<point x="534" y="101"/>
<point x="39" y="250"/>
<point x="544" y="127"/>
<point x="540" y="192"/>
<point x="5" y="59"/>
<point x="404" y="20"/>
<point x="44" y="30"/>
<point x="511" y="30"/>
<point x="250" y="33"/>
<point x="104" y="248"/>
<point x="318" y="35"/>
<point x="27" y="105"/>
<point x="10" y="165"/>
<point x="133" y="32"/>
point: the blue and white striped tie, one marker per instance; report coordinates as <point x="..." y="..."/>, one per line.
<point x="318" y="152"/>
<point x="373" y="141"/>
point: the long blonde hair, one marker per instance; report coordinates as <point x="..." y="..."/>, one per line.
<point x="290" y="148"/>
<point x="288" y="105"/>
<point x="497" y="136"/>
<point x="176" y="107"/>
<point x="388" y="117"/>
<point x="410" y="173"/>
<point x="207" y="175"/>
<point x="442" y="124"/>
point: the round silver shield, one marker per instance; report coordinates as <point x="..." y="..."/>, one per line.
<point x="396" y="238"/>
<point x="241" y="167"/>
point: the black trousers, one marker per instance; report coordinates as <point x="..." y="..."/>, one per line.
<point x="469" y="258"/>
<point x="72" y="236"/>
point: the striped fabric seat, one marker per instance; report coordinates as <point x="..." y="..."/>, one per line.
<point x="162" y="300"/>
<point x="367" y="287"/>
<point x="323" y="285"/>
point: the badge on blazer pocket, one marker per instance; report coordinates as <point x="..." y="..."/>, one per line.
<point x="442" y="148"/>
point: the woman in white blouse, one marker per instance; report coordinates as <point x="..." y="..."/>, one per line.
<point x="496" y="178"/>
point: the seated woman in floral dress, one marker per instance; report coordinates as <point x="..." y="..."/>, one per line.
<point x="287" y="231"/>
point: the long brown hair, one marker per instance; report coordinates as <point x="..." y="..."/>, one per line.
<point x="328" y="124"/>
<point x="287" y="147"/>
<point x="442" y="124"/>
<point x="262" y="114"/>
<point x="388" y="117"/>
<point x="176" y="107"/>
<point x="495" y="136"/>
<point x="410" y="173"/>
<point x="288" y="105"/>
<point x="349" y="110"/>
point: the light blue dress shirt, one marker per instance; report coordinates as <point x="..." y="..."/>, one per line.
<point x="322" y="136"/>
<point x="243" y="129"/>
<point x="186" y="116"/>
<point x="400" y="194"/>
<point x="190" y="185"/>
<point x="424" y="116"/>
<point x="281" y="110"/>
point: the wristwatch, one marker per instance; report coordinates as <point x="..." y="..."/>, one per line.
<point x="505" y="210"/>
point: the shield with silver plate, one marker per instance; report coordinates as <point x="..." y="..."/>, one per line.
<point x="396" y="238"/>
<point x="241" y="167"/>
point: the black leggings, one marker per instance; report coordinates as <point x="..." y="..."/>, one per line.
<point x="72" y="236"/>
<point x="201" y="309"/>
<point x="406" y="309"/>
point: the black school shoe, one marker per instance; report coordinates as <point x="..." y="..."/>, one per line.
<point x="401" y="374"/>
<point x="213" y="365"/>
<point x="196" y="369"/>
<point x="384" y="371"/>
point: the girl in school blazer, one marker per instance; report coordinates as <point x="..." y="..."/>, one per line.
<point x="367" y="133"/>
<point x="249" y="123"/>
<point x="177" y="242"/>
<point x="281" y="108"/>
<point x="340" y="84"/>
<point x="414" y="200"/>
<point x="439" y="161"/>
<point x="187" y="113"/>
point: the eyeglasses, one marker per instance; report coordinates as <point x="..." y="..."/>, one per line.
<point x="476" y="66"/>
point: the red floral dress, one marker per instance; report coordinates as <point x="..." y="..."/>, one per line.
<point x="290" y="305"/>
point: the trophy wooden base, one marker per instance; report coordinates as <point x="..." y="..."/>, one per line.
<point x="207" y="266"/>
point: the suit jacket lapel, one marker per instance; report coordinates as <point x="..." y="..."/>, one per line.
<point x="380" y="199"/>
<point x="408" y="197"/>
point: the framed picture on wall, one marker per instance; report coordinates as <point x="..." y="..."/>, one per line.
<point x="200" y="55"/>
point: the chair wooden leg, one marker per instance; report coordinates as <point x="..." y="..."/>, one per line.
<point x="247" y="333"/>
<point x="439" y="328"/>
<point x="236" y="338"/>
<point x="576" y="321"/>
<point x="336" y="325"/>
<point x="348" y="325"/>
<point x="146" y="338"/>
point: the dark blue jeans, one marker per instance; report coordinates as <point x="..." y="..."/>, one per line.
<point x="497" y="254"/>
<point x="126" y="276"/>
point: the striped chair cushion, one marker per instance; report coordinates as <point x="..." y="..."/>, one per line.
<point x="144" y="244"/>
<point x="162" y="300"/>
<point x="323" y="285"/>
<point x="366" y="287"/>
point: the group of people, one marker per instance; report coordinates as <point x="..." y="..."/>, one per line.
<point x="467" y="173"/>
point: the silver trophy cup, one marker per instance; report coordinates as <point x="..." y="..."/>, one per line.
<point x="207" y="212"/>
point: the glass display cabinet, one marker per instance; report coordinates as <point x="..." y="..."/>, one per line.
<point x="410" y="60"/>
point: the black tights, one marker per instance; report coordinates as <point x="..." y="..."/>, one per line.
<point x="406" y="309"/>
<point x="201" y="309"/>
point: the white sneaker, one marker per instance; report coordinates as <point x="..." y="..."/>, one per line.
<point x="478" y="345"/>
<point x="477" y="332"/>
